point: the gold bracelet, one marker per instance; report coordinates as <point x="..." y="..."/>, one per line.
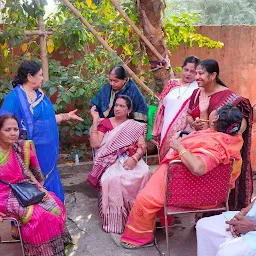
<point x="135" y="158"/>
<point x="182" y="152"/>
<point x="204" y="120"/>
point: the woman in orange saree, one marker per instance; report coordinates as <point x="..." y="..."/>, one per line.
<point x="200" y="152"/>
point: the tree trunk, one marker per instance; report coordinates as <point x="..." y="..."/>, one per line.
<point x="150" y="13"/>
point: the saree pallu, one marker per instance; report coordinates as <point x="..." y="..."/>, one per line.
<point x="105" y="101"/>
<point x="38" y="121"/>
<point x="240" y="196"/>
<point x="42" y="229"/>
<point x="113" y="144"/>
<point x="217" y="148"/>
<point x="253" y="149"/>
<point x="172" y="112"/>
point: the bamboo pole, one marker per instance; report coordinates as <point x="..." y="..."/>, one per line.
<point x="106" y="46"/>
<point x="43" y="46"/>
<point x="34" y="32"/>
<point x="137" y="30"/>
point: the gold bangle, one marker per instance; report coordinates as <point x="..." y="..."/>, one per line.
<point x="192" y="124"/>
<point x="204" y="120"/>
<point x="182" y="152"/>
<point x="135" y="158"/>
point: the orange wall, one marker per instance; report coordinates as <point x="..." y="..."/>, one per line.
<point x="237" y="58"/>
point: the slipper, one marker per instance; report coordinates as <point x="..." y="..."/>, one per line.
<point x="132" y="246"/>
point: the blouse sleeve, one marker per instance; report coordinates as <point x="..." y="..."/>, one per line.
<point x="104" y="126"/>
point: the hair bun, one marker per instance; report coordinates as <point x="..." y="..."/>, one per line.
<point x="233" y="129"/>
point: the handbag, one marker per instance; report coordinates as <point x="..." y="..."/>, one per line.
<point x="26" y="192"/>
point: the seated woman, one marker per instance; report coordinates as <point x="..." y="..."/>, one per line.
<point x="42" y="224"/>
<point x="200" y="152"/>
<point x="119" y="171"/>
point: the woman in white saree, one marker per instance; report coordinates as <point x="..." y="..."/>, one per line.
<point x="174" y="99"/>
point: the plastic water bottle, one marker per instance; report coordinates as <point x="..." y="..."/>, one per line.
<point x="76" y="159"/>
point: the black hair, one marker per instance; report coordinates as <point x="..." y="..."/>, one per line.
<point x="191" y="59"/>
<point x="128" y="104"/>
<point x="230" y="120"/>
<point x="119" y="72"/>
<point x="212" y="66"/>
<point x="3" y="118"/>
<point x="25" y="68"/>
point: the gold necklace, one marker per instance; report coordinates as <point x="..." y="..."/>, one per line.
<point x="181" y="95"/>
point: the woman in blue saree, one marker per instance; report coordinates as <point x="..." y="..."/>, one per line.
<point x="120" y="84"/>
<point x="37" y="120"/>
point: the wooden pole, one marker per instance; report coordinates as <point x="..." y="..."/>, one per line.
<point x="137" y="30"/>
<point x="34" y="32"/>
<point x="43" y="46"/>
<point x="106" y="46"/>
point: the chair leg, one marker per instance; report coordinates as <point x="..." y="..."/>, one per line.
<point x="166" y="234"/>
<point x="18" y="226"/>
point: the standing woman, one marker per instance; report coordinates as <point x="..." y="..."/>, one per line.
<point x="174" y="99"/>
<point x="211" y="95"/>
<point x="37" y="120"/>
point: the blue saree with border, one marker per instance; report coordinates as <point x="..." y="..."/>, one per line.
<point x="39" y="122"/>
<point x="105" y="101"/>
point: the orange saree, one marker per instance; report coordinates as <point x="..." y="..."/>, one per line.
<point x="212" y="147"/>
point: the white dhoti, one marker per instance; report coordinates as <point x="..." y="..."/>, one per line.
<point x="214" y="240"/>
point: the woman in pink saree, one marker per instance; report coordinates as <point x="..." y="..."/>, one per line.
<point x="119" y="171"/>
<point x="42" y="224"/>
<point x="174" y="99"/>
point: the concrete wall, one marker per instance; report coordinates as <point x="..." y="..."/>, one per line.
<point x="237" y="59"/>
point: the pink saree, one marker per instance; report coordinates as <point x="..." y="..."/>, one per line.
<point x="42" y="224"/>
<point x="212" y="147"/>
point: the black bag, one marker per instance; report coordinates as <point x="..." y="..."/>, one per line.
<point x="27" y="193"/>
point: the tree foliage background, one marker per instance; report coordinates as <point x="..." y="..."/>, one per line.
<point x="78" y="64"/>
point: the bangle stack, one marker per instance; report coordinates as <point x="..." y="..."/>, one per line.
<point x="182" y="152"/>
<point x="135" y="158"/>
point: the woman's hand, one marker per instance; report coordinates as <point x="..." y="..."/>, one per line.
<point x="94" y="113"/>
<point x="73" y="116"/>
<point x="129" y="164"/>
<point x="175" y="142"/>
<point x="47" y="195"/>
<point x="197" y="124"/>
<point x="204" y="101"/>
<point x="1" y="216"/>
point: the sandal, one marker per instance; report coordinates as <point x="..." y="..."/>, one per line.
<point x="133" y="246"/>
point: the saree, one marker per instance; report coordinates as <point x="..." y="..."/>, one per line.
<point x="42" y="231"/>
<point x="212" y="147"/>
<point x="105" y="101"/>
<point x="172" y="112"/>
<point x="240" y="196"/>
<point x="38" y="123"/>
<point x="119" y="187"/>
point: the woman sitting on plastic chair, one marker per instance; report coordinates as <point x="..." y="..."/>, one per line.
<point x="119" y="171"/>
<point x="42" y="224"/>
<point x="200" y="152"/>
